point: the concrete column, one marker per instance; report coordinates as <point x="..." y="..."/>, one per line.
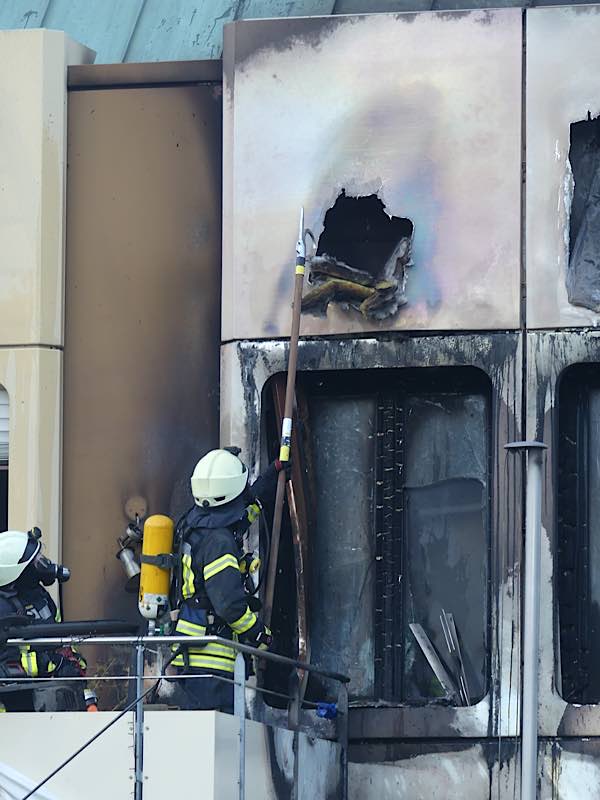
<point x="33" y="103"/>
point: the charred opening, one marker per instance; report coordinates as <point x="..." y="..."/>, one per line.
<point x="361" y="259"/>
<point x="578" y="547"/>
<point x="583" y="274"/>
<point x="394" y="473"/>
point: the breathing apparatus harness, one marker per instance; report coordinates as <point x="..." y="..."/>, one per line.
<point x="249" y="563"/>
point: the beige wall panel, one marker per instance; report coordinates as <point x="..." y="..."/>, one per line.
<point x="33" y="81"/>
<point x="424" y="110"/>
<point x="104" y="770"/>
<point x="32" y="377"/>
<point x="141" y="387"/>
<point x="563" y="62"/>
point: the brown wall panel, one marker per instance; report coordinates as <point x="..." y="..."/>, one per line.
<point x="141" y="372"/>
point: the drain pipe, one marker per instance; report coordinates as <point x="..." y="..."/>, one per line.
<point x="531" y="617"/>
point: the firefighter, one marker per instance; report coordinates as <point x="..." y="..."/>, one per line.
<point x="212" y="595"/>
<point x="24" y="571"/>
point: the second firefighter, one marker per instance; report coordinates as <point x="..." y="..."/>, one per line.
<point x="211" y="590"/>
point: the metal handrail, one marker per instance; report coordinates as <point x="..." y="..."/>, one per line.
<point x="61" y="641"/>
<point x="240" y="685"/>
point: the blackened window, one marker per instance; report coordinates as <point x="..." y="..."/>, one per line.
<point x="578" y="541"/>
<point x="401" y="468"/>
<point x="343" y="554"/>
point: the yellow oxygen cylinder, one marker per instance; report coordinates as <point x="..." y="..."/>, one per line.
<point x="155" y="577"/>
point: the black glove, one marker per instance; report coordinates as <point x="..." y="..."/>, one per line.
<point x="264" y="640"/>
<point x="254" y="603"/>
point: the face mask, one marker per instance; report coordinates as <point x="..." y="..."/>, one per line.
<point x="47" y="571"/>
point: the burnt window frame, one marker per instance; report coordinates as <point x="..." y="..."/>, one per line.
<point x="573" y="565"/>
<point x="386" y="385"/>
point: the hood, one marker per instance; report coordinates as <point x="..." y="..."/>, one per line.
<point x="225" y="516"/>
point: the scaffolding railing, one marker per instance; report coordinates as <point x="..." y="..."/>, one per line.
<point x="294" y="699"/>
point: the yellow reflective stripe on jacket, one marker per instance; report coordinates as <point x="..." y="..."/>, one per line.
<point x="219" y="650"/>
<point x="189" y="628"/>
<point x="197" y="661"/>
<point x="212" y="649"/>
<point x="244" y="623"/>
<point x="187" y="576"/>
<point x="253" y="512"/>
<point x="29" y="662"/>
<point x="219" y="564"/>
<point x="2" y="708"/>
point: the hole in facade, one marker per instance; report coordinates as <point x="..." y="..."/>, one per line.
<point x="583" y="273"/>
<point x="362" y="259"/>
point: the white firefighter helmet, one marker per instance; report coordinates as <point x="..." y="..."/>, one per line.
<point x="218" y="477"/>
<point x="17" y="550"/>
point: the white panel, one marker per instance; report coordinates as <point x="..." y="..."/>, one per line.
<point x="35" y="744"/>
<point x="184" y="740"/>
<point x="208" y="742"/>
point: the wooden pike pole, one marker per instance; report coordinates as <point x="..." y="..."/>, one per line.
<point x="286" y="426"/>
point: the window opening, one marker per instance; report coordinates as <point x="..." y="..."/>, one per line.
<point x="578" y="533"/>
<point x="583" y="273"/>
<point x="400" y="475"/>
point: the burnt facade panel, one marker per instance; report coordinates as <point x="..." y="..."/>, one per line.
<point x="413" y="119"/>
<point x="562" y="103"/>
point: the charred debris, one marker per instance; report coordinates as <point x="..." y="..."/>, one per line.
<point x="362" y="259"/>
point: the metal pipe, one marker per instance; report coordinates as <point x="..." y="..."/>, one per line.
<point x="531" y="617"/>
<point x="139" y="722"/>
<point x="242" y="648"/>
<point x="239" y="709"/>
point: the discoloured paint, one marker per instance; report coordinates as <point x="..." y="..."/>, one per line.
<point x="408" y="141"/>
<point x="561" y="89"/>
<point x="487" y="769"/>
<point x="245" y="368"/>
<point x="451" y="775"/>
<point x="549" y="354"/>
